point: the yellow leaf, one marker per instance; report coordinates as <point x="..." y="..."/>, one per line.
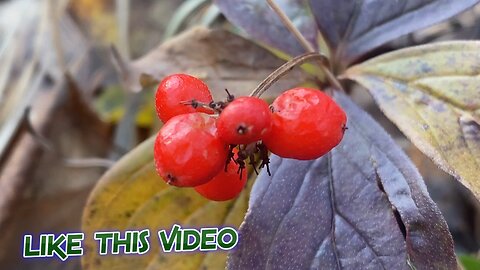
<point x="132" y="196"/>
<point x="432" y="93"/>
<point x="111" y="106"/>
<point x="99" y="17"/>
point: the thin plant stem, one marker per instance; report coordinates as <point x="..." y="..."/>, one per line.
<point x="123" y="20"/>
<point x="305" y="44"/>
<point x="288" y="23"/>
<point x="284" y="69"/>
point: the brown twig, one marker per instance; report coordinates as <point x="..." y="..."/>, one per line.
<point x="54" y="19"/>
<point x="288" y="23"/>
<point x="123" y="18"/>
<point x="283" y="70"/>
<point x="324" y="65"/>
<point x="119" y="63"/>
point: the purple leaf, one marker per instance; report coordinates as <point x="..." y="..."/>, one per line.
<point x="354" y="27"/>
<point x="259" y="21"/>
<point x="362" y="206"/>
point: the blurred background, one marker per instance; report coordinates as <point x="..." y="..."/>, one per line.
<point x="68" y="109"/>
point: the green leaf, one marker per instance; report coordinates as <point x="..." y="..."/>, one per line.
<point x="132" y="196"/>
<point x="183" y="13"/>
<point x="112" y="102"/>
<point x="432" y="94"/>
<point x="469" y="262"/>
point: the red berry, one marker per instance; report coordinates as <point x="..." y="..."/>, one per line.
<point x="306" y="124"/>
<point x="188" y="151"/>
<point x="175" y="90"/>
<point x="244" y="120"/>
<point x="224" y="186"/>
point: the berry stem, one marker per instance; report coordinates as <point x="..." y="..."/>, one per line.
<point x="284" y="69"/>
<point x="324" y="63"/>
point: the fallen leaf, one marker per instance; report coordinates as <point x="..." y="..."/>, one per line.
<point x="362" y="206"/>
<point x="39" y="191"/>
<point x="35" y="181"/>
<point x="220" y="58"/>
<point x="432" y="94"/>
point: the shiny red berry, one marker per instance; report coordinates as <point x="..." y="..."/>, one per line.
<point x="244" y="120"/>
<point x="224" y="186"/>
<point x="188" y="151"/>
<point x="177" y="89"/>
<point x="306" y="124"/>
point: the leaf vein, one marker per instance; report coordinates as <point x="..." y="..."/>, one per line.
<point x="332" y="202"/>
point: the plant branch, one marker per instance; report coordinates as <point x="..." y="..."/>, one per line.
<point x="123" y="18"/>
<point x="284" y="69"/>
<point x="289" y="24"/>
<point x="55" y="20"/>
<point x="324" y="62"/>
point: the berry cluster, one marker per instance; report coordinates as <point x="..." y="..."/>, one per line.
<point x="206" y="144"/>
